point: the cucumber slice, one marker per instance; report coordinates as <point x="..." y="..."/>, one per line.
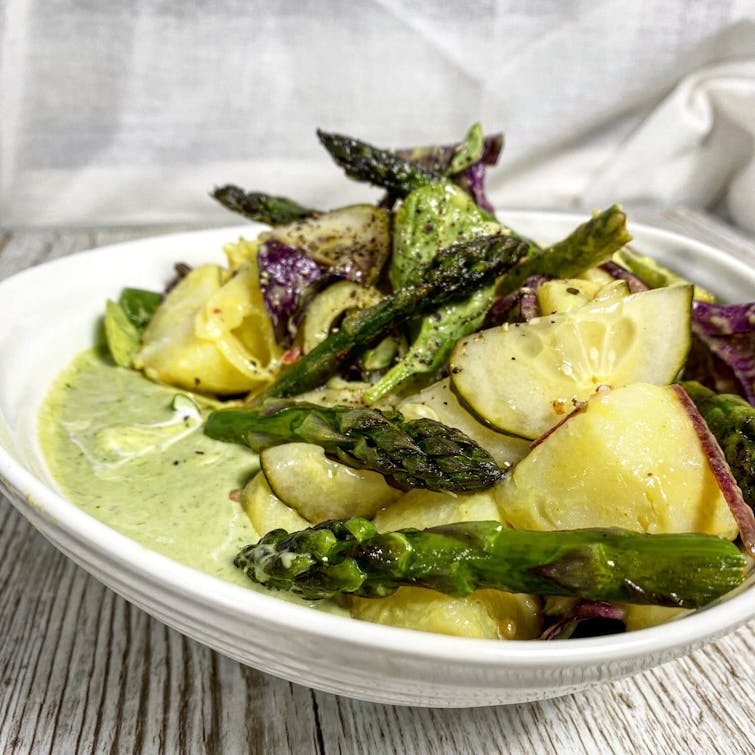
<point x="329" y="305"/>
<point x="523" y="379"/>
<point x="439" y="402"/>
<point x="567" y="294"/>
<point x="319" y="488"/>
<point x="266" y="511"/>
<point x="352" y="242"/>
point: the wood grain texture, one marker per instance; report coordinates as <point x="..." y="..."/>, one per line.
<point x="83" y="671"/>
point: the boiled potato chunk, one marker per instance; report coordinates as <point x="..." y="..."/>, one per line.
<point x="266" y="511"/>
<point x="171" y="352"/>
<point x="319" y="488"/>
<point x="236" y="321"/>
<point x="524" y="378"/>
<point x="420" y="509"/>
<point x="485" y="614"/>
<point x="630" y="459"/>
<point x="641" y="617"/>
<point x="211" y="334"/>
<point x="241" y="251"/>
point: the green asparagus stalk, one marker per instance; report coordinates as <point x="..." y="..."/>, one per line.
<point x="454" y="159"/>
<point x="399" y="175"/>
<point x="380" y="167"/>
<point x="586" y="246"/>
<point x="430" y="218"/>
<point x="453" y="273"/>
<point x="732" y="421"/>
<point x="438" y="333"/>
<point x="418" y="453"/>
<point x="263" y="208"/>
<point x="349" y="556"/>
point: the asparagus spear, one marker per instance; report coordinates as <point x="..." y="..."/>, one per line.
<point x="430" y="218"/>
<point x="586" y="246"/>
<point x="419" y="453"/>
<point x="371" y="164"/>
<point x="380" y="167"/>
<point x="454" y="272"/>
<point x="732" y="421"/>
<point x="597" y="239"/>
<point x="397" y="174"/>
<point x="264" y="208"/>
<point x="349" y="556"/>
<point x="438" y="333"/>
<point x="456" y="159"/>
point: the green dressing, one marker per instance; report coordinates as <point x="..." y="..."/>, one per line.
<point x="132" y="454"/>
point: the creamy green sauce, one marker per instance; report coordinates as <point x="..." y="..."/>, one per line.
<point x="121" y="451"/>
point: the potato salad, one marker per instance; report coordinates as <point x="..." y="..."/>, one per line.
<point x="448" y="426"/>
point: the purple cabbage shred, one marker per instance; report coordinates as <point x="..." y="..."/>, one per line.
<point x="472" y="180"/>
<point x="620" y="273"/>
<point x="724" y="319"/>
<point x="583" y="610"/>
<point x="437" y="158"/>
<point x="727" y="332"/>
<point x="519" y="306"/>
<point x="285" y="275"/>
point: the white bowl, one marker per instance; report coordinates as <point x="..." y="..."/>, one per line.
<point x="48" y="314"/>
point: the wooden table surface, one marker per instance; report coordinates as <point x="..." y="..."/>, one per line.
<point x="81" y="670"/>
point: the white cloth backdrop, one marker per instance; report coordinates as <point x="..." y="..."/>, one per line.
<point x="129" y="112"/>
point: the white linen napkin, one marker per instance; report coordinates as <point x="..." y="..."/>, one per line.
<point x="126" y="112"/>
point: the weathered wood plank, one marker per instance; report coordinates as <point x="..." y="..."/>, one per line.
<point x="699" y="703"/>
<point x="84" y="671"/>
